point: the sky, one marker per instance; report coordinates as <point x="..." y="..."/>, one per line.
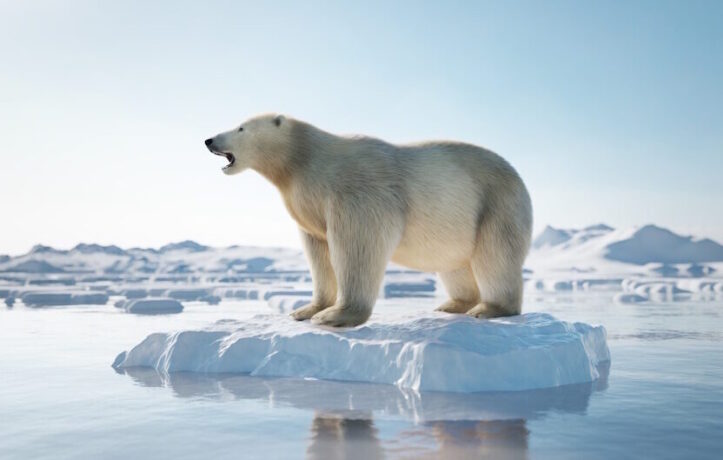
<point x="610" y="111"/>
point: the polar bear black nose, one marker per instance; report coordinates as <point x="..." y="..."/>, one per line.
<point x="208" y="142"/>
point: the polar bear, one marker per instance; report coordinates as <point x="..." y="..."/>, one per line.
<point x="449" y="207"/>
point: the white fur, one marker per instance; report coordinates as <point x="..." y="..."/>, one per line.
<point x="448" y="207"/>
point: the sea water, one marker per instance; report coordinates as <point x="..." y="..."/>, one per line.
<point x="661" y="396"/>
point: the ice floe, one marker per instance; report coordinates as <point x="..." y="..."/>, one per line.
<point x="435" y="352"/>
<point x="153" y="306"/>
<point x="54" y="299"/>
<point x="667" y="289"/>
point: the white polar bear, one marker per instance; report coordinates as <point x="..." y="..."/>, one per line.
<point x="360" y="202"/>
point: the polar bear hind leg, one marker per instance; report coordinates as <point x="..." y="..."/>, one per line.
<point x="497" y="268"/>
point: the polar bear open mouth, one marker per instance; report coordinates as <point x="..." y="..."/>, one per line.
<point x="229" y="156"/>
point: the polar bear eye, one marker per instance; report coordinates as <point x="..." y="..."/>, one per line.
<point x="241" y="129"/>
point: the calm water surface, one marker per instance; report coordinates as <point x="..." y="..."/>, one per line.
<point x="662" y="396"/>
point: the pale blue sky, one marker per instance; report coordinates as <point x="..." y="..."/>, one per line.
<point x="611" y="111"/>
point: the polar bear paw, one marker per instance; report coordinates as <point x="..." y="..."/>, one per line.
<point x="340" y="317"/>
<point x="455" y="306"/>
<point x="306" y="312"/>
<point x="487" y="310"/>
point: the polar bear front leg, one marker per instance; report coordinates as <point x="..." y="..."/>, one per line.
<point x="359" y="254"/>
<point x="322" y="277"/>
<point x="462" y="289"/>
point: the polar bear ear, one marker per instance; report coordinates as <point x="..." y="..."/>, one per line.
<point x="278" y="119"/>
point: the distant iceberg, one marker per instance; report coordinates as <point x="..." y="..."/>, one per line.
<point x="433" y="353"/>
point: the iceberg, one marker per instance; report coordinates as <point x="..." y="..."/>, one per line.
<point x="434" y="352"/>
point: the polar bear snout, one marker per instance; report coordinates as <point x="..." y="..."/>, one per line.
<point x="213" y="146"/>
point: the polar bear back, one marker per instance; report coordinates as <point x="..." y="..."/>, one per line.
<point x="435" y="194"/>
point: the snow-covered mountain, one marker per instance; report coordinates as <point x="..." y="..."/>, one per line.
<point x="601" y="248"/>
<point x="656" y="244"/>
<point x="594" y="249"/>
<point x="176" y="258"/>
<point x="551" y="236"/>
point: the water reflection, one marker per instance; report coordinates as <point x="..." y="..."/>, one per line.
<point x="498" y="439"/>
<point x="334" y="436"/>
<point x="445" y="425"/>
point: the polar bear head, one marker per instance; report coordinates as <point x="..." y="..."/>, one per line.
<point x="256" y="143"/>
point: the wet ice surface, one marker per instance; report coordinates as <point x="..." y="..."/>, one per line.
<point x="59" y="398"/>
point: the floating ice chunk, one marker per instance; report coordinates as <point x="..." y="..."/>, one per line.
<point x="396" y="286"/>
<point x="253" y="265"/>
<point x="436" y="352"/>
<point x="562" y="285"/>
<point x="552" y="285"/>
<point x="189" y="294"/>
<point x="52" y="281"/>
<point x="54" y="299"/>
<point x="647" y="288"/>
<point x="95" y="298"/>
<point x="136" y="293"/>
<point x="245" y="293"/>
<point x="627" y="297"/>
<point x="699" y="270"/>
<point x="211" y="299"/>
<point x="153" y="306"/>
<point x="46" y="299"/>
<point x="663" y="269"/>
